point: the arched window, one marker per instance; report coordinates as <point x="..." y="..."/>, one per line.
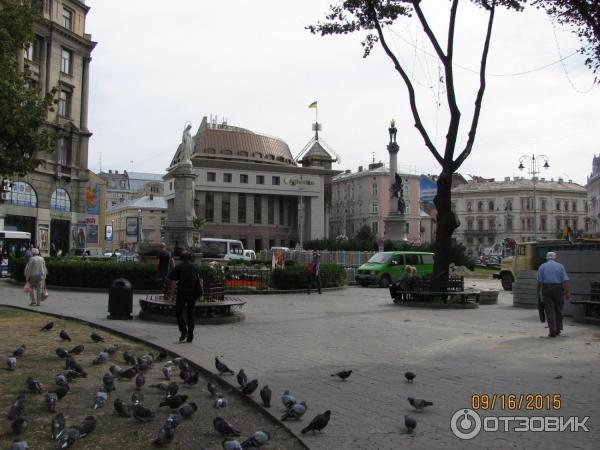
<point x="243" y="153"/>
<point x="60" y="200"/>
<point x="23" y="194"/>
<point x="227" y="152"/>
<point x="210" y="151"/>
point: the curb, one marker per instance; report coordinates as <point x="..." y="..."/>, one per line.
<point x="204" y="372"/>
<point x="432" y="305"/>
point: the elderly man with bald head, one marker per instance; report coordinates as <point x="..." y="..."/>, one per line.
<point x="553" y="285"/>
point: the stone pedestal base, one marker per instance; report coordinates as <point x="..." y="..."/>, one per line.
<point x="180" y="231"/>
<point x="395" y="227"/>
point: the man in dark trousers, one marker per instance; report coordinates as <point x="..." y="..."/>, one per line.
<point x="314" y="272"/>
<point x="189" y="289"/>
<point x="553" y="284"/>
<point x="164" y="261"/>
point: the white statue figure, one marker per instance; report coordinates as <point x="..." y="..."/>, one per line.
<point x="188" y="145"/>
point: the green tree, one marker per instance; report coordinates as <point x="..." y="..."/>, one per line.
<point x="23" y="110"/>
<point x="365" y="234"/>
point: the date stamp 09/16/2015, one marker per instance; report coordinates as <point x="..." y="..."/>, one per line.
<point x="516" y="402"/>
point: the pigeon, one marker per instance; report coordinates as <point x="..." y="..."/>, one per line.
<point x="265" y="396"/>
<point x="172" y="389"/>
<point x="142" y="414"/>
<point x="112" y="349"/>
<point x="97" y="338"/>
<point x="344" y="374"/>
<point x="109" y="382"/>
<point x="58" y="425"/>
<point x="33" y="386"/>
<point x="47" y="327"/>
<point x="11" y="363"/>
<point x="129" y="373"/>
<point x="61" y="379"/>
<point x="225" y="428"/>
<point x="20" y="351"/>
<point x="165" y="436"/>
<point x="222" y="368"/>
<point x="257" y="440"/>
<point x="62" y="353"/>
<point x="116" y="370"/>
<point x="231" y="444"/>
<point x="145" y="361"/>
<point x="418" y="403"/>
<point x="17" y="408"/>
<point x="295" y="411"/>
<point x="287" y="399"/>
<point x="51" y="399"/>
<point x="162" y="386"/>
<point x="78" y="349"/>
<point x="140" y="380"/>
<point x="188" y="410"/>
<point x="220" y="402"/>
<point x="73" y="364"/>
<point x="174" y="420"/>
<point x="212" y="386"/>
<point x="100" y="401"/>
<point x="19" y="444"/>
<point x="68" y="438"/>
<point x="410" y="423"/>
<point x="101" y="358"/>
<point x="61" y="390"/>
<point x="319" y="422"/>
<point x="137" y="398"/>
<point x="129" y="358"/>
<point x="64" y="336"/>
<point x="181" y="363"/>
<point x="162" y="355"/>
<point x="174" y="402"/>
<point x="249" y="388"/>
<point x="191" y="378"/>
<point x="68" y="375"/>
<point x="87" y="426"/>
<point x="242" y="379"/>
<point x="410" y="376"/>
<point x="167" y="372"/>
<point x="122" y="408"/>
<point x="19" y="425"/>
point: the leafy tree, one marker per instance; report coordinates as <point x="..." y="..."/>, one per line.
<point x="365" y="234"/>
<point x="23" y="111"/>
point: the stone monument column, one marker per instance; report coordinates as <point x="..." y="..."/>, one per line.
<point x="180" y="231"/>
<point x="395" y="222"/>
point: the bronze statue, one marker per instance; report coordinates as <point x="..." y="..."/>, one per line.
<point x="393" y="130"/>
<point x="397" y="189"/>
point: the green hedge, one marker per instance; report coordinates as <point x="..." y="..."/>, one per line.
<point x="296" y="276"/>
<point x="92" y="273"/>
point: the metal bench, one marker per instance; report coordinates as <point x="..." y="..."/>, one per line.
<point x="421" y="291"/>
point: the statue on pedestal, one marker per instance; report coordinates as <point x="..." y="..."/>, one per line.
<point x="397" y="190"/>
<point x="187" y="145"/>
<point x="393" y="131"/>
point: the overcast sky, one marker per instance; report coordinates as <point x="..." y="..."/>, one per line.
<point x="159" y="64"/>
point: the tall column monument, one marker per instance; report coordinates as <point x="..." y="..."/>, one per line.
<point x="395" y="221"/>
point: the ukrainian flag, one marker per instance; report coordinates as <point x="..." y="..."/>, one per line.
<point x="313" y="104"/>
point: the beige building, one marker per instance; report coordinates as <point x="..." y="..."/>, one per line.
<point x="124" y="186"/>
<point x="592" y="224"/>
<point x="363" y="198"/>
<point x="59" y="203"/>
<point x="492" y="211"/>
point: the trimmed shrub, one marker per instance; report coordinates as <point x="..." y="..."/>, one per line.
<point x="296" y="276"/>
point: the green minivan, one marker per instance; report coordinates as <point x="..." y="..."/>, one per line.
<point x="385" y="268"/>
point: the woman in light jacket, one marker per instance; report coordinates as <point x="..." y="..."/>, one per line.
<point x="35" y="274"/>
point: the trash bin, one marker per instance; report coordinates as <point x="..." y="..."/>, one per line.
<point x="120" y="299"/>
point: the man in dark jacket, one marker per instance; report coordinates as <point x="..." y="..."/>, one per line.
<point x="189" y="289"/>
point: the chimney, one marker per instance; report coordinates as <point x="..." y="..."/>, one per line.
<point x="515" y="178"/>
<point x="560" y="180"/>
<point x="360" y="168"/>
<point x="542" y="179"/>
<point x="570" y="181"/>
<point x="116" y="171"/>
<point x="348" y="171"/>
<point x="506" y="178"/>
<point x="109" y="170"/>
<point x="151" y="196"/>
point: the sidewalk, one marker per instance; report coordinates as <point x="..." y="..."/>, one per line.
<point x="296" y="341"/>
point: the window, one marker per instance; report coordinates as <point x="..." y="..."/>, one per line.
<point x="509" y="224"/>
<point x="426" y="259"/>
<point x="281" y="211"/>
<point x="243" y="153"/>
<point x="375" y="228"/>
<point x="574" y="208"/>
<point x="558" y="206"/>
<point x="64" y="103"/>
<point x="60" y="200"/>
<point x="469" y="224"/>
<point x="225" y="207"/>
<point x="64" y="151"/>
<point x="257" y="209"/>
<point x="22" y="194"/>
<point x="243" y="178"/>
<point x="66" y="61"/>
<point x="32" y="51"/>
<point x="227" y="178"/>
<point x="543" y="224"/>
<point x="508" y="205"/>
<point x="209" y="212"/>
<point x="543" y="204"/>
<point x="407" y="228"/>
<point x="490" y="206"/>
<point x="67" y="18"/>
<point x="374" y="208"/>
<point x="469" y="206"/>
<point x="491" y="223"/>
<point x="163" y="221"/>
<point x="241" y="208"/>
<point x="374" y="189"/>
<point x="227" y="152"/>
<point x="558" y="228"/>
<point x="211" y="176"/>
<point x="260" y="179"/>
<point x="210" y="151"/>
<point x="479" y="206"/>
<point x="480" y="224"/>
<point x="566" y="206"/>
<point x="275" y="181"/>
<point x="271" y="210"/>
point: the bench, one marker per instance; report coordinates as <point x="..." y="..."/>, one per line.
<point x="159" y="304"/>
<point x="420" y="291"/>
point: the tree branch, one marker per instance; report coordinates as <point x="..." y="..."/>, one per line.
<point x="411" y="91"/>
<point x="450" y="92"/>
<point x="428" y="30"/>
<point x="479" y="99"/>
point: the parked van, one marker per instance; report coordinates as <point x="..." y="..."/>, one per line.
<point x="385" y="268"/>
<point x="222" y="248"/>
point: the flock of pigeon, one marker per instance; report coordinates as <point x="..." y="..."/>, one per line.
<point x="178" y="404"/>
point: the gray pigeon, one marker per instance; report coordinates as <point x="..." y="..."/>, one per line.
<point x="58" y="425"/>
<point x="109" y="382"/>
<point x="87" y="426"/>
<point x="61" y="390"/>
<point x="70" y="375"/>
<point x="188" y="410"/>
<point x="249" y="388"/>
<point x="122" y="408"/>
<point x="62" y="353"/>
<point x="165" y="436"/>
<point x="19" y="425"/>
<point x="220" y="402"/>
<point x="344" y="374"/>
<point x="181" y="363"/>
<point x="242" y="379"/>
<point x="100" y="401"/>
<point x="112" y="349"/>
<point x="225" y="428"/>
<point x="140" y="380"/>
<point x="418" y="403"/>
<point x="61" y="380"/>
<point x="257" y="440"/>
<point x="64" y="335"/>
<point x="68" y="438"/>
<point x="48" y="326"/>
<point x="222" y="368"/>
<point x="11" y="363"/>
<point x="19" y="444"/>
<point x="319" y="422"/>
<point x="129" y="358"/>
<point x="116" y="370"/>
<point x="167" y="371"/>
<point x="295" y="411"/>
<point x="96" y="337"/>
<point x="17" y="408"/>
<point x="174" y="420"/>
<point x="51" y="399"/>
<point x="174" y="402"/>
<point x="74" y="365"/>
<point x="77" y="349"/>
<point x="410" y="376"/>
<point x="172" y="389"/>
<point x="231" y="444"/>
<point x="20" y="351"/>
<point x="287" y="399"/>
<point x="101" y="358"/>
<point x="142" y="414"/>
<point x="265" y="396"/>
<point x="212" y="386"/>
<point x="410" y="423"/>
<point x="33" y="386"/>
<point x="137" y="398"/>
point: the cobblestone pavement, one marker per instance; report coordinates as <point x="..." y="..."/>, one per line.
<point x="296" y="341"/>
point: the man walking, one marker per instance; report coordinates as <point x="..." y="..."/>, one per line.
<point x="164" y="261"/>
<point x="189" y="289"/>
<point x="553" y="282"/>
<point x="314" y="272"/>
<point x="35" y="275"/>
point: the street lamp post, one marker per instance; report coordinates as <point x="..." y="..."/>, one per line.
<point x="534" y="169"/>
<point x="139" y="211"/>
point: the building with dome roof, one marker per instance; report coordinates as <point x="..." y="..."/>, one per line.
<point x="248" y="186"/>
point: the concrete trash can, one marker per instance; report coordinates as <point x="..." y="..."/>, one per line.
<point x="120" y="300"/>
